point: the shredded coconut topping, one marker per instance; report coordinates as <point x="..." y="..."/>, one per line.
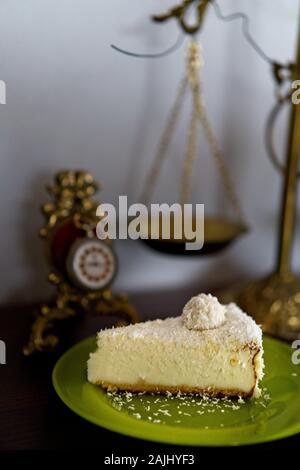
<point x="203" y="312"/>
<point x="237" y="331"/>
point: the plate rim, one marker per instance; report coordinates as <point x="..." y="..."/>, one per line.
<point x="142" y="434"/>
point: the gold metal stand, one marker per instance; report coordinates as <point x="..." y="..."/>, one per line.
<point x="72" y="204"/>
<point x="275" y="301"/>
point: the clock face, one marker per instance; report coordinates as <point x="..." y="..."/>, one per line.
<point x="91" y="264"/>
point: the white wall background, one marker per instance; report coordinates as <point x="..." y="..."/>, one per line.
<point x="74" y="102"/>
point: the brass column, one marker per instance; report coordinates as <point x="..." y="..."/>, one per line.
<point x="275" y="300"/>
<point x="288" y="210"/>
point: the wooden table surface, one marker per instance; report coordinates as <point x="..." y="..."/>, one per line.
<point x="33" y="417"/>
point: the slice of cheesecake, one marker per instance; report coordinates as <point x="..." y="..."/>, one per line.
<point x="210" y="349"/>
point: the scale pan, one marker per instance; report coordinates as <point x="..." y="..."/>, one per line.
<point x="218" y="234"/>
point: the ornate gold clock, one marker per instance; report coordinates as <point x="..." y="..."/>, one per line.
<point x="82" y="267"/>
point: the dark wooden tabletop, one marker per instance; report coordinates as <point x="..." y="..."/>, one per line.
<point x="32" y="417"/>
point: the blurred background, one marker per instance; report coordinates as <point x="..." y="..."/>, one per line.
<point x="73" y="102"/>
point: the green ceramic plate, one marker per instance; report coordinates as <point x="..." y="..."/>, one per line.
<point x="188" y="420"/>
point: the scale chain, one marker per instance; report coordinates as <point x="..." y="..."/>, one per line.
<point x="186" y="184"/>
<point x="164" y="143"/>
<point x="199" y="113"/>
<point x="195" y="61"/>
<point x="220" y="162"/>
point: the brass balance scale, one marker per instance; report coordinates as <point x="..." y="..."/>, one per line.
<point x="219" y="232"/>
<point x="275" y="300"/>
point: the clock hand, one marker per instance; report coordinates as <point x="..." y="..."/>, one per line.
<point x="94" y="264"/>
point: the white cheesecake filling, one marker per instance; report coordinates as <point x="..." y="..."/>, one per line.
<point x="149" y="362"/>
